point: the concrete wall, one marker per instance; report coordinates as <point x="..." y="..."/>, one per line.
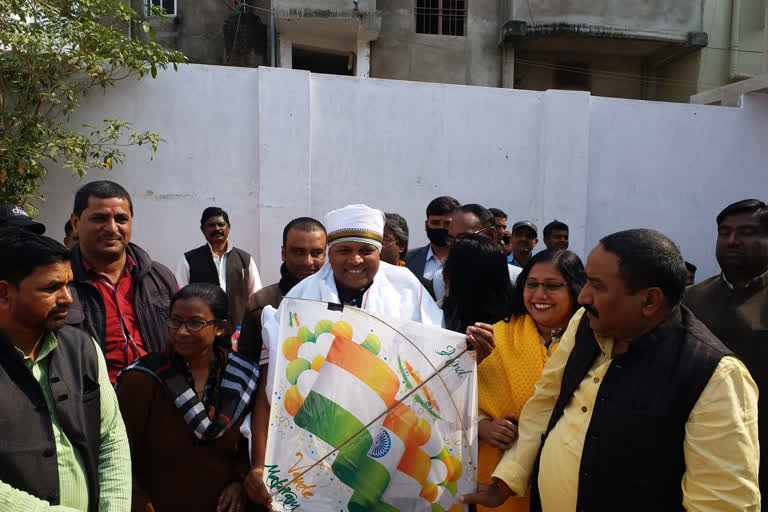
<point x="659" y="16"/>
<point x="673" y="168"/>
<point x="270" y="144"/>
<point x="474" y="59"/>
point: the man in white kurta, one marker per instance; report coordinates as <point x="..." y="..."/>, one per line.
<point x="355" y="276"/>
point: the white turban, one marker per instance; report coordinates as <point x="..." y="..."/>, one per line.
<point x="355" y="223"/>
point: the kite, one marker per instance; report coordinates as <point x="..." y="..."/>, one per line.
<point x="368" y="414"/>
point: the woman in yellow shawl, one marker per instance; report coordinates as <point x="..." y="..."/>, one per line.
<point x="543" y="302"/>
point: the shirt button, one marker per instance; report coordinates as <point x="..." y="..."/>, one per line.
<point x="48" y="452"/>
<point x="584" y="408"/>
<point x="596" y="380"/>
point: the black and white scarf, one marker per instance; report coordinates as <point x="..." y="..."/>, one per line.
<point x="236" y="390"/>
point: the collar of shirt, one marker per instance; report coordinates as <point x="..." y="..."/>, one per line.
<point x="230" y="246"/>
<point x="758" y="282"/>
<point x="431" y="255"/>
<point x="352" y="298"/>
<point x="47" y="344"/>
<point x="130" y="264"/>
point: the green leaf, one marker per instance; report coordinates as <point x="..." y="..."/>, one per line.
<point x="45" y="47"/>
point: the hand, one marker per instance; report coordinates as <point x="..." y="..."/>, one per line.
<point x="487" y="495"/>
<point x="232" y="498"/>
<point x="481" y="337"/>
<point x="499" y="433"/>
<point x="254" y="486"/>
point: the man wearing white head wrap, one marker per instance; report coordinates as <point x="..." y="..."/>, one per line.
<point x="353" y="275"/>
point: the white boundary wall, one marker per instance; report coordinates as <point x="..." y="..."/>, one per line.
<point x="269" y="145"/>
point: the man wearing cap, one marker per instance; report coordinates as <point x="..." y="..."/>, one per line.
<point x="356" y="277"/>
<point x="524" y="238"/>
<point x="14" y="216"/>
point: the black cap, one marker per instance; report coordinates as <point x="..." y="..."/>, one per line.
<point x="527" y="224"/>
<point x="16" y="216"/>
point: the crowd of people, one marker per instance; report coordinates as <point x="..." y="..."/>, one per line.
<point x="610" y="383"/>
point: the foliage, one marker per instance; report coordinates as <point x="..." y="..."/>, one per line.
<point x="52" y="53"/>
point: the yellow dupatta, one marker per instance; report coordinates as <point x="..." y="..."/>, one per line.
<point x="506" y="380"/>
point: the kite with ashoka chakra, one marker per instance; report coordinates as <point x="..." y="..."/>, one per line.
<point x="368" y="414"/>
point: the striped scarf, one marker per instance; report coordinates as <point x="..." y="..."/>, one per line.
<point x="237" y="388"/>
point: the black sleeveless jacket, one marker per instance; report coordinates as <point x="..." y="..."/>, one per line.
<point x="28" y="458"/>
<point x="633" y="449"/>
<point x="203" y="270"/>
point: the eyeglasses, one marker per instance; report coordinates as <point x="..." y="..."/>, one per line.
<point x="532" y="286"/>
<point x="191" y="325"/>
<point x="462" y="236"/>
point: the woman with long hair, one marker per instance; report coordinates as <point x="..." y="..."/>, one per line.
<point x="543" y="302"/>
<point x="477" y="283"/>
<point x="183" y="409"/>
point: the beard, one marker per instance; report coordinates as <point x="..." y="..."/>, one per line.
<point x="56" y="317"/>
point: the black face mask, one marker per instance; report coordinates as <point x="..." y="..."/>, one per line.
<point x="438" y="236"/>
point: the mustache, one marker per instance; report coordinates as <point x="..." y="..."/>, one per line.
<point x="111" y="237"/>
<point x="591" y="310"/>
<point x="58" y="309"/>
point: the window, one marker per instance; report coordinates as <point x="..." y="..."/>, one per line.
<point x="446" y="17"/>
<point x="169" y="6"/>
<point x="322" y="61"/>
<point x="573" y="76"/>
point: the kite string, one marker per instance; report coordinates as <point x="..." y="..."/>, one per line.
<point x="377" y="418"/>
<point x="353" y="309"/>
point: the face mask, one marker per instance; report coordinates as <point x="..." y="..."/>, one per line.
<point x="438" y="236"/>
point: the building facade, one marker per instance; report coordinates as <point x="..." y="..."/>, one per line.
<point x="655" y="49"/>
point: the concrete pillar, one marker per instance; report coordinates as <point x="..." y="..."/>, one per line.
<point x="284" y="165"/>
<point x="564" y="163"/>
<point x="765" y="38"/>
<point x="363" y="66"/>
<point x="285" y="54"/>
<point x="507" y="67"/>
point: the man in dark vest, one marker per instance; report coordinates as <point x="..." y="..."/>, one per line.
<point x="63" y="440"/>
<point x="734" y="303"/>
<point x="120" y="296"/>
<point x="641" y="407"/>
<point x="221" y="263"/>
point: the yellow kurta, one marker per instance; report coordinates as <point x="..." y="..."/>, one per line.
<point x="506" y="380"/>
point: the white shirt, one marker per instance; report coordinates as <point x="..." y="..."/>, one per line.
<point x="254" y="281"/>
<point x="431" y="265"/>
<point x="395" y="292"/>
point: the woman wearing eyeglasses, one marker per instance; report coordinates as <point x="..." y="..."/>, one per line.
<point x="544" y="300"/>
<point x="183" y="409"/>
